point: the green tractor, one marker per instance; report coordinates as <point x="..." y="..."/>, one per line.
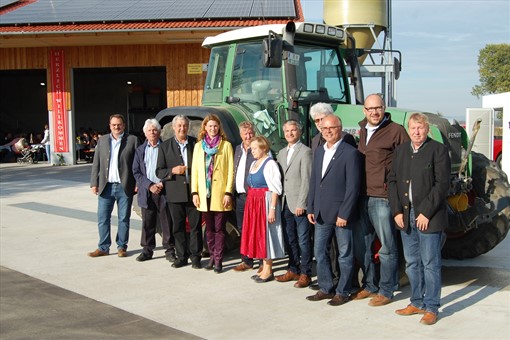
<point x="268" y="74"/>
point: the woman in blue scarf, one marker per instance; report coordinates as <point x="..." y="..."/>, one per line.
<point x="212" y="181"/>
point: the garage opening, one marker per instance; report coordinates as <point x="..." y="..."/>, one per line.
<point x="137" y="93"/>
<point x="23" y="103"/>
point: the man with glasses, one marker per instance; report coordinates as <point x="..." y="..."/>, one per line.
<point x="332" y="198"/>
<point x="318" y="112"/>
<point x="379" y="136"/>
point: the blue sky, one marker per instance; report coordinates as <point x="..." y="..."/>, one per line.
<point x="440" y="42"/>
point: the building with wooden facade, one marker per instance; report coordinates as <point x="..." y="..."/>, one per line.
<point x="73" y="63"/>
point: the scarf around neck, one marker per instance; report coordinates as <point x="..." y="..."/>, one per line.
<point x="210" y="146"/>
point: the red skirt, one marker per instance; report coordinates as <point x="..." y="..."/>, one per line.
<point x="253" y="238"/>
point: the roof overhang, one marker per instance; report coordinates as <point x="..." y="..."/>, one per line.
<point x="132" y="33"/>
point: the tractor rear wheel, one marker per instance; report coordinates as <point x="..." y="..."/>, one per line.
<point x="489" y="183"/>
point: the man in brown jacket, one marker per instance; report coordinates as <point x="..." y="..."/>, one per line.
<point x="379" y="137"/>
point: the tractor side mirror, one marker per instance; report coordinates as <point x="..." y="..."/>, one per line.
<point x="272" y="50"/>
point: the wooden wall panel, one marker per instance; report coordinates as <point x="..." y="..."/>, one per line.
<point x="182" y="88"/>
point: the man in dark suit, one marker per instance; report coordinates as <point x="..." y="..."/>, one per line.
<point x="151" y="193"/>
<point x="174" y="169"/>
<point x="418" y="189"/>
<point x="296" y="162"/>
<point x="242" y="161"/>
<point x="113" y="181"/>
<point x="334" y="189"/>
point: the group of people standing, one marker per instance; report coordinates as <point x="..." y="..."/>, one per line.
<point x="329" y="202"/>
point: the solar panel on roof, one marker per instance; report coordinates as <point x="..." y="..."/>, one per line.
<point x="62" y="11"/>
<point x="6" y="2"/>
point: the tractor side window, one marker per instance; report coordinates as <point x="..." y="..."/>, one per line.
<point x="215" y="74"/>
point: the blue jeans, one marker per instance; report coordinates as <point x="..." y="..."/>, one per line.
<point x="113" y="192"/>
<point x="48" y="153"/>
<point x="379" y="212"/>
<point x="322" y="244"/>
<point x="364" y="235"/>
<point x="422" y="252"/>
<point x="296" y="232"/>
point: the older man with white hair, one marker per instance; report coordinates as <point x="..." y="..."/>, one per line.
<point x="151" y="193"/>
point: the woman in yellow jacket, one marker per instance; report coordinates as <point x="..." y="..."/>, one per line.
<point x="212" y="181"/>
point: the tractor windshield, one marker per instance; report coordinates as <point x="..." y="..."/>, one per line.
<point x="320" y="75"/>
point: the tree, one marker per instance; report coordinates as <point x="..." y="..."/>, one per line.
<point x="494" y="70"/>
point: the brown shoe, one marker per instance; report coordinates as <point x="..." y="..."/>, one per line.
<point x="320" y="295"/>
<point x="338" y="300"/>
<point x="121" y="252"/>
<point x="363" y="294"/>
<point x="379" y="300"/>
<point x="97" y="253"/>
<point x="242" y="267"/>
<point x="410" y="310"/>
<point x="429" y="318"/>
<point x="288" y="276"/>
<point x="303" y="281"/>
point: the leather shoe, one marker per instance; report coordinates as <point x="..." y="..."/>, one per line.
<point x="210" y="265"/>
<point x="180" y="263"/>
<point x="338" y="300"/>
<point x="242" y="267"/>
<point x="218" y="268"/>
<point x="254" y="277"/>
<point x="303" y="281"/>
<point x="196" y="265"/>
<point x="429" y="318"/>
<point x="320" y="295"/>
<point x="410" y="310"/>
<point x="121" y="252"/>
<point x="379" y="300"/>
<point x="315" y="286"/>
<point x="267" y="279"/>
<point x="97" y="253"/>
<point x="143" y="257"/>
<point x="288" y="276"/>
<point x="170" y="257"/>
<point x="363" y="294"/>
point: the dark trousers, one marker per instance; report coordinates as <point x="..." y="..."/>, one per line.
<point x="240" y="203"/>
<point x="298" y="240"/>
<point x="215" y="234"/>
<point x="179" y="212"/>
<point x="156" y="211"/>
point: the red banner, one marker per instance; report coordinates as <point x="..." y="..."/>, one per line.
<point x="60" y="124"/>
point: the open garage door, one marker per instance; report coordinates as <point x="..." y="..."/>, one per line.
<point x="137" y="93"/>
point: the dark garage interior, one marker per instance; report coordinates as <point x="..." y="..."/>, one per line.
<point x="136" y="92"/>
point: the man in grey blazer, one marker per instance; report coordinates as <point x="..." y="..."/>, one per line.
<point x="296" y="163"/>
<point x="113" y="181"/>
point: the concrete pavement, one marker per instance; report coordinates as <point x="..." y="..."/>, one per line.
<point x="49" y="288"/>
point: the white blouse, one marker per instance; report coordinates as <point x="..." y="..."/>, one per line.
<point x="272" y="176"/>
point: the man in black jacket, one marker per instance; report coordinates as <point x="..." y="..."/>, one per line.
<point x="174" y="169"/>
<point x="418" y="191"/>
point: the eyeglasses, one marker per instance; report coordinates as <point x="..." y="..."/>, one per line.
<point x="375" y="108"/>
<point x="324" y="128"/>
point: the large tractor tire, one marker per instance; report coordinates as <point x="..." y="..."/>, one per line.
<point x="489" y="183"/>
